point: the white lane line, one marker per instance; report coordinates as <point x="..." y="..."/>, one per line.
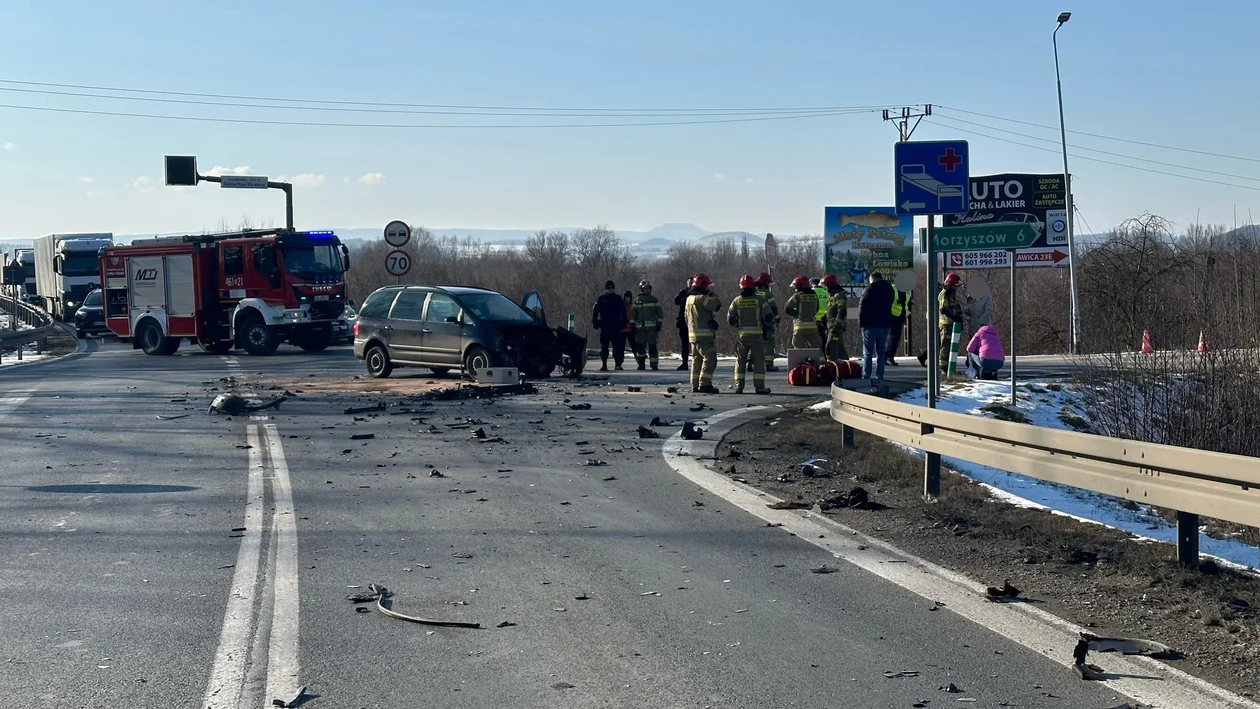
<point x="1021" y="623"/>
<point x="282" y="653"/>
<point x="227" y="677"/>
<point x="12" y="400"/>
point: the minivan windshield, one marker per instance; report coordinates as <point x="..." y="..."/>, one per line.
<point x="93" y="300"/>
<point x="493" y="306"/>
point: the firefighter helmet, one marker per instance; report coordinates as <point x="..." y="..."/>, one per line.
<point x="952" y="280"/>
<point x="700" y="280"/>
<point x="830" y="281"/>
<point x="764" y="279"/>
<point x="746" y="281"/>
<point x="800" y="283"/>
<point x="645" y="286"/>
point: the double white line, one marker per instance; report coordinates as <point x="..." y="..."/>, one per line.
<point x="260" y="626"/>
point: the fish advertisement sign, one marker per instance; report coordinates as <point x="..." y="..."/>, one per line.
<point x="860" y="240"/>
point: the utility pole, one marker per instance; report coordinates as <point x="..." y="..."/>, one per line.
<point x="902" y="119"/>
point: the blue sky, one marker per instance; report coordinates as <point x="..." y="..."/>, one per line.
<point x="1157" y="71"/>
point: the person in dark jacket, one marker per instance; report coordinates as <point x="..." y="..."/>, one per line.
<point x="684" y="342"/>
<point x="875" y="318"/>
<point x="609" y="317"/>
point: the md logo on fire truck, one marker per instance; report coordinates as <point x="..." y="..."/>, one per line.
<point x="146" y="276"/>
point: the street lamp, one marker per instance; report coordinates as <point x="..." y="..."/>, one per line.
<point x="1074" y="337"/>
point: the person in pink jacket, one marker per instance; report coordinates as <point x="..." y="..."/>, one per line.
<point x="984" y="353"/>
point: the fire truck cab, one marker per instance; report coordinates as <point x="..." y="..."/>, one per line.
<point x="251" y="289"/>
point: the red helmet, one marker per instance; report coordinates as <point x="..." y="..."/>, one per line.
<point x="951" y="280"/>
<point x="700" y="281"/>
<point x="800" y="283"/>
<point x="746" y="281"/>
<point x="830" y="281"/>
<point x="764" y="279"/>
<point x="645" y="286"/>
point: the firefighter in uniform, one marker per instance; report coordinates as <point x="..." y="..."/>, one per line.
<point x="823" y="297"/>
<point x="749" y="313"/>
<point x="803" y="306"/>
<point x="837" y="315"/>
<point x="701" y="330"/>
<point x="950" y="311"/>
<point x="763" y="290"/>
<point x="646" y="316"/>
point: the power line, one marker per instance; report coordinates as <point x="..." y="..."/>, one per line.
<point x="1105" y="137"/>
<point x="259" y="121"/>
<point x="1105" y="152"/>
<point x="1105" y="162"/>
<point x="238" y="97"/>
<point x="345" y="109"/>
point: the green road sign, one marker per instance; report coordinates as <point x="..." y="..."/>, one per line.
<point x="983" y="236"/>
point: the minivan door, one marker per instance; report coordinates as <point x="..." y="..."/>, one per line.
<point x="406" y="319"/>
<point x="532" y="302"/>
<point x="442" y="333"/>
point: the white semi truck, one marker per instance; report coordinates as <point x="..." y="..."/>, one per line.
<point x="67" y="269"/>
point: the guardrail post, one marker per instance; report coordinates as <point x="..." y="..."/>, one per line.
<point x="931" y="470"/>
<point x="1188" y="540"/>
<point x="846" y="436"/>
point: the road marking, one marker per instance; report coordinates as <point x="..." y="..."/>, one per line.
<point x="12" y="400"/>
<point x="1033" y="628"/>
<point x="227" y="677"/>
<point x="282" y="652"/>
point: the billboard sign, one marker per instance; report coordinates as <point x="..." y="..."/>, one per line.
<point x="1036" y="200"/>
<point x="1024" y="258"/>
<point x="860" y="240"/>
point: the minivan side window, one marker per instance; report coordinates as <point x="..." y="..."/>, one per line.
<point x="441" y="307"/>
<point x="409" y="306"/>
<point x="377" y="304"/>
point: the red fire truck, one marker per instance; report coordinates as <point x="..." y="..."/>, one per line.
<point x="250" y="289"/>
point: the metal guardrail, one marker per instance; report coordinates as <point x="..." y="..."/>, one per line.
<point x="1191" y="482"/>
<point x="40" y="325"/>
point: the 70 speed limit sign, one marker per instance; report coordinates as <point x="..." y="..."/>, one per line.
<point x="397" y="262"/>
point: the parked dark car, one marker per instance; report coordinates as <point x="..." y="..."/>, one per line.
<point x="89" y="319"/>
<point x="343" y="327"/>
<point x="452" y="327"/>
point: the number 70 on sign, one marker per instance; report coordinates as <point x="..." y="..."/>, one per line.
<point x="397" y="262"/>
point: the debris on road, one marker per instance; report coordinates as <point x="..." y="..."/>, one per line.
<point x="295" y="701"/>
<point x="788" y="505"/>
<point x="813" y="468"/>
<point x="362" y="436"/>
<point x="691" y="433"/>
<point x="634" y="389"/>
<point x="365" y="409"/>
<point x="384" y="595"/>
<point x="506" y="624"/>
<point x="1006" y="592"/>
<point x="173" y="417"/>
<point x="368" y="596"/>
<point x="479" y="433"/>
<point x="856" y="498"/>
<point x="645" y="432"/>
<point x="595" y="462"/>
<point x="233" y="405"/>
<point x="580" y="407"/>
<point x="951" y="688"/>
<point x="699" y="407"/>
<point x="902" y="673"/>
<point x="562" y="685"/>
<point x="436" y="474"/>
<point x="824" y="569"/>
<point x="610" y="478"/>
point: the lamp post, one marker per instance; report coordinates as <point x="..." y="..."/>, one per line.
<point x="1074" y="338"/>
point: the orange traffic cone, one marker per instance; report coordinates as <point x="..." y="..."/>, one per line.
<point x="1202" y="348"/>
<point x="1146" y="343"/>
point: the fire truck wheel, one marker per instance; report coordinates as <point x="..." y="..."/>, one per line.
<point x="257" y="338"/>
<point x="378" y="364"/>
<point x="151" y="340"/>
<point x="314" y="339"/>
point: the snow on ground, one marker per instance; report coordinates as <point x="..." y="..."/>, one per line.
<point x="1046" y="403"/>
<point x="28" y="355"/>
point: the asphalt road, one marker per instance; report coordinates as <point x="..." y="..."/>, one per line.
<point x="128" y="580"/>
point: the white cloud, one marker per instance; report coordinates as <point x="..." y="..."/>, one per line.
<point x="87" y="180"/>
<point x="719" y="177"/>
<point x="221" y="170"/>
<point x="94" y="193"/>
<point x="748" y="180"/>
<point x="10" y="146"/>
<point x="307" y="179"/>
<point x="143" y="183"/>
<point x="372" y="178"/>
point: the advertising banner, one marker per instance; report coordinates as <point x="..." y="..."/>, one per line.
<point x="860" y="240"/>
<point x="1036" y="200"/>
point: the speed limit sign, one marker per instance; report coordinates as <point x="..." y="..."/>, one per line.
<point x="397" y="233"/>
<point x="397" y="262"/>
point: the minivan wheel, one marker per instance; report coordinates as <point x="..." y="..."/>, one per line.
<point x="476" y="358"/>
<point x="377" y="360"/>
